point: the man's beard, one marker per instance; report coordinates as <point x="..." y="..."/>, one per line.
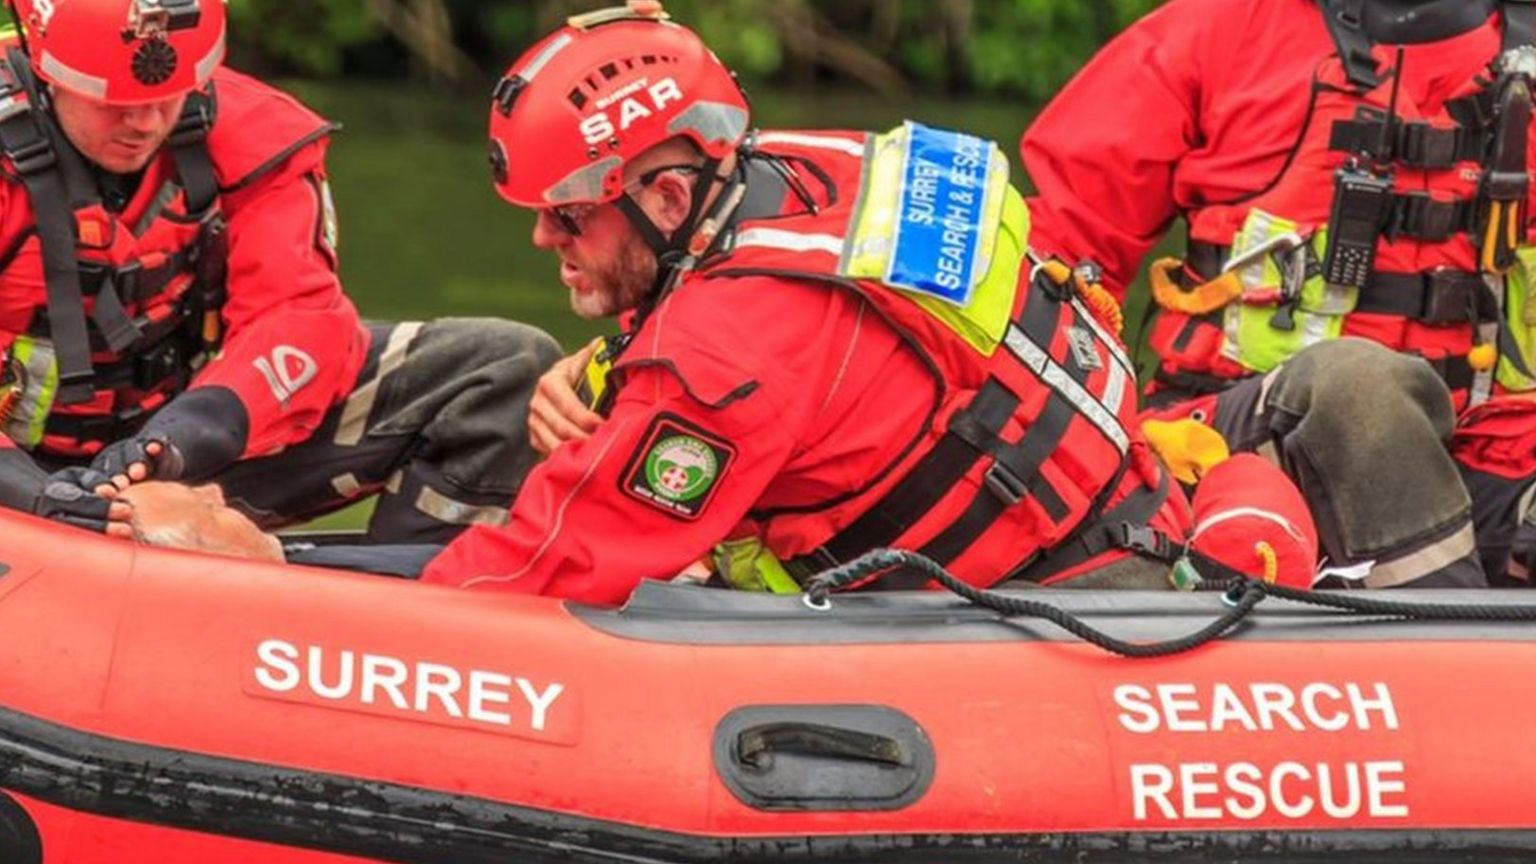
<point x="618" y="288"/>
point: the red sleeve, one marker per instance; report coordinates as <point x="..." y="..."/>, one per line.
<point x="293" y="342"/>
<point x="1102" y="154"/>
<point x="584" y="527"/>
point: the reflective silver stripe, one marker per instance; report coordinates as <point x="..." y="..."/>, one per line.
<point x="1523" y="507"/>
<point x="1110" y="341"/>
<point x="1057" y="379"/>
<point x="346" y="485"/>
<point x="1269" y="451"/>
<point x="825" y="142"/>
<point x="392" y="485"/>
<point x="445" y="509"/>
<point x="1422" y="562"/>
<point x="1115" y="388"/>
<point x="354" y="417"/>
<point x="1263" y="401"/>
<point x="211" y="60"/>
<point x="584" y="185"/>
<point x="713" y="121"/>
<point x="72" y="79"/>
<point x="794" y="241"/>
<point x="537" y="63"/>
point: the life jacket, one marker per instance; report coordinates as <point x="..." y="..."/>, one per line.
<point x="1434" y="193"/>
<point x="1024" y="468"/>
<point x="125" y="312"/>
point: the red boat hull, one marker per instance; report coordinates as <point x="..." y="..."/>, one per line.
<point x="165" y="707"/>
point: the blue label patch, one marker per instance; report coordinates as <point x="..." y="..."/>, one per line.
<point x="938" y="235"/>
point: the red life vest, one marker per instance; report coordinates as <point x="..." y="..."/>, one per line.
<point x="1032" y="449"/>
<point x="1426" y="294"/>
<point x="150" y="276"/>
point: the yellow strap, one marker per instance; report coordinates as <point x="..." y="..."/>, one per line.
<point x="1271" y="561"/>
<point x="1201" y="299"/>
<point x="1102" y="305"/>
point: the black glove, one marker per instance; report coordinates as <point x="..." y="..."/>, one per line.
<point x="200" y="432"/>
<point x="69" y="496"/>
<point x="115" y="458"/>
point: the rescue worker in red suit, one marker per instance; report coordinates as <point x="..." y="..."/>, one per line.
<point x="170" y="309"/>
<point x="1346" y="168"/>
<point x="773" y="388"/>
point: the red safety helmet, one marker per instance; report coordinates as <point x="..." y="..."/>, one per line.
<point x="597" y="93"/>
<point x="124" y="51"/>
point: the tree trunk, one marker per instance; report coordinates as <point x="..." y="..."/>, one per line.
<point x="425" y="29"/>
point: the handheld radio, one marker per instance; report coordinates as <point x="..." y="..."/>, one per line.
<point x="1362" y="204"/>
<point x="1362" y="200"/>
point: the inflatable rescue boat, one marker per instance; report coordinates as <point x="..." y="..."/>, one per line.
<point x="165" y="707"/>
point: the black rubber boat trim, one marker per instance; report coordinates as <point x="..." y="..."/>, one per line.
<point x="304" y="809"/>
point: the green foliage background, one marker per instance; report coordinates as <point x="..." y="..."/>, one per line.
<point x="1017" y="48"/>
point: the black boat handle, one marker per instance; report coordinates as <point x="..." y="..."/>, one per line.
<point x="755" y="746"/>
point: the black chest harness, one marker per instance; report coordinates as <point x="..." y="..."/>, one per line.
<point x="146" y="355"/>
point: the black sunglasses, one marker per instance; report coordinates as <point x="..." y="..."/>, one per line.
<point x="572" y="216"/>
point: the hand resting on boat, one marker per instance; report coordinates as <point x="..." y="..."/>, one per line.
<point x="194" y="518"/>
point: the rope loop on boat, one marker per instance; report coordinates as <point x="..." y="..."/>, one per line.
<point x="1240" y="595"/>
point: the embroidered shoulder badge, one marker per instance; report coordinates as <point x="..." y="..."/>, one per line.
<point x="677" y="467"/>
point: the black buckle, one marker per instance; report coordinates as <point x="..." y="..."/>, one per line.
<point x="1005" y="484"/>
<point x="802" y="567"/>
<point x="193" y="124"/>
<point x="77" y="387"/>
<point x="157" y="365"/>
<point x="34" y="156"/>
<point x="1142" y="539"/>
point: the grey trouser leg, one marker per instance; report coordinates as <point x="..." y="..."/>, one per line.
<point x="438" y="425"/>
<point x="1499" y="508"/>
<point x="1363" y="431"/>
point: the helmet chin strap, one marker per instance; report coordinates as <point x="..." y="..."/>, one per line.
<point x="677" y="254"/>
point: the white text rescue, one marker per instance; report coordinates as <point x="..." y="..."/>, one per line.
<point x="1279" y="783"/>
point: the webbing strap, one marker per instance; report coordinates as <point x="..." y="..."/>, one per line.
<point x="1013" y="476"/>
<point x="189" y="150"/>
<point x="1519" y="23"/>
<point x="1346" y="25"/>
<point x="972" y="432"/>
<point x="1440" y="296"/>
<point x="31" y="144"/>
<point x="1413" y="143"/>
<point x="1418" y="216"/>
<point x="1120" y="527"/>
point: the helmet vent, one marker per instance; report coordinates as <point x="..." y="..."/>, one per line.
<point x="154" y="62"/>
<point x="594" y="81"/>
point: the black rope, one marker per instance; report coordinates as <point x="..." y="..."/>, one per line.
<point x="1359" y="602"/>
<point x="1016" y="607"/>
<point x="1241" y="594"/>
